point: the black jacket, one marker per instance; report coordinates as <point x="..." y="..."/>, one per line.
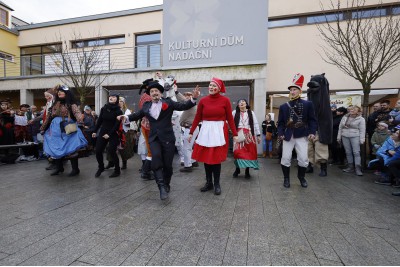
<point x="161" y="127"/>
<point x="107" y="120"/>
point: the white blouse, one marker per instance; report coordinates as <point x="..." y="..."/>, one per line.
<point x="244" y="121"/>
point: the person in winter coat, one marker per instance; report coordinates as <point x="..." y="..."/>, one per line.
<point x="108" y="125"/>
<point x="395" y="115"/>
<point x="337" y="151"/>
<point x="352" y="134"/>
<point x="379" y="137"/>
<point x="268" y="133"/>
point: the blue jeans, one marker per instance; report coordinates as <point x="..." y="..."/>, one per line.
<point x="267" y="144"/>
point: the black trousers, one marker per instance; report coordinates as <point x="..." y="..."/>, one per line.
<point x="101" y="144"/>
<point x="162" y="157"/>
<point x="394" y="168"/>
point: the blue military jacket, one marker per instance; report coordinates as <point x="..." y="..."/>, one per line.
<point x="301" y="113"/>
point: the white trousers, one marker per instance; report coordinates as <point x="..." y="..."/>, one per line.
<point x="301" y="146"/>
<point x="188" y="146"/>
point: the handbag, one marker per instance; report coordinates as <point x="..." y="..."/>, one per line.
<point x="241" y="136"/>
<point x="268" y="136"/>
<point x="71" y="126"/>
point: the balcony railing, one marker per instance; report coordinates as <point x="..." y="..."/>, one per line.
<point x="104" y="60"/>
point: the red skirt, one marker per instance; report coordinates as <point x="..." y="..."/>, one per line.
<point x="246" y="150"/>
<point x="212" y="155"/>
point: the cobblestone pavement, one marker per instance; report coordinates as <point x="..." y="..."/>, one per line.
<point x="341" y="219"/>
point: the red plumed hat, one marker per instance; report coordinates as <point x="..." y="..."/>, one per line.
<point x="297" y="82"/>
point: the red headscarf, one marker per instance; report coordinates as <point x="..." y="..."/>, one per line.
<point x="220" y="84"/>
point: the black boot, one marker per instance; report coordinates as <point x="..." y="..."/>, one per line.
<point x="146" y="170"/>
<point x="217" y="174"/>
<point x="51" y="166"/>
<point x="247" y="173"/>
<point x="116" y="173"/>
<point x="124" y="163"/>
<point x="59" y="167"/>
<point x="301" y="173"/>
<point x="310" y="168"/>
<point x="236" y="173"/>
<point x="140" y="170"/>
<point x="99" y="171"/>
<point x="75" y="169"/>
<point x="209" y="185"/>
<point x="160" y="182"/>
<point x="286" y="176"/>
<point x="324" y="167"/>
<point x="110" y="164"/>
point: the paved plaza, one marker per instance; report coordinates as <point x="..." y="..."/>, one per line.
<point x="341" y="219"/>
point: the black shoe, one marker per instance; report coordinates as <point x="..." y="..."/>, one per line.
<point x="57" y="171"/>
<point x="98" y="173"/>
<point x="195" y="164"/>
<point x="286" y="182"/>
<point x="146" y="176"/>
<point x="124" y="163"/>
<point x="116" y="173"/>
<point x="110" y="164"/>
<point x="182" y="164"/>
<point x="51" y="166"/>
<point x="324" y="171"/>
<point x="383" y="181"/>
<point x="167" y="188"/>
<point x="186" y="169"/>
<point x="207" y="187"/>
<point x="303" y="182"/>
<point x="74" y="172"/>
<point x="163" y="192"/>
<point x="236" y="173"/>
<point x="397" y="194"/>
<point x="310" y="168"/>
<point x="247" y="173"/>
<point x="217" y="189"/>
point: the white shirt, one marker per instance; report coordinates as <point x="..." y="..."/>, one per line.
<point x="155" y="109"/>
<point x="244" y="121"/>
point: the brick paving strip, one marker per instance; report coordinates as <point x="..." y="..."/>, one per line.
<point x="341" y="219"/>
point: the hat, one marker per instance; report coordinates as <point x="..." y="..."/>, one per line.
<point x="87" y="108"/>
<point x="333" y="106"/>
<point x="154" y="84"/>
<point x="220" y="84"/>
<point x="297" y="82"/>
<point x="383" y="124"/>
<point x="114" y="94"/>
<point x="62" y="87"/>
<point x="24" y="106"/>
<point x="145" y="83"/>
<point x="7" y="100"/>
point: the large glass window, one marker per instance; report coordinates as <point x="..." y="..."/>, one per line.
<point x="283" y="22"/>
<point x="369" y="13"/>
<point x="324" y="18"/>
<point x="33" y="58"/>
<point x="148" y="50"/>
<point x="3" y="17"/>
<point x="396" y="11"/>
<point x="6" y="57"/>
<point x="99" y="42"/>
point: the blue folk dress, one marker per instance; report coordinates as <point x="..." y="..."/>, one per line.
<point x="57" y="144"/>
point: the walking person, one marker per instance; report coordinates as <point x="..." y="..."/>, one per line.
<point x="268" y="133"/>
<point x="245" y="152"/>
<point x="337" y="150"/>
<point x="108" y="125"/>
<point x="161" y="137"/>
<point x="211" y="145"/>
<point x="62" y="137"/>
<point x="296" y="125"/>
<point x="352" y="135"/>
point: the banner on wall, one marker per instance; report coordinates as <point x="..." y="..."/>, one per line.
<point x="345" y="100"/>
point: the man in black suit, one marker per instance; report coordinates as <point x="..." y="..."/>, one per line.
<point x="161" y="138"/>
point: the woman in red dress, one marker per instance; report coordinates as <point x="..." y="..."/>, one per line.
<point x="211" y="145"/>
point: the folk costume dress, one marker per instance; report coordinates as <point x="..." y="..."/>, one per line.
<point x="245" y="153"/>
<point x="57" y="144"/>
<point x="212" y="143"/>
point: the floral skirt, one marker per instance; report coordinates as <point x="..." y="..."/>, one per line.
<point x="245" y="153"/>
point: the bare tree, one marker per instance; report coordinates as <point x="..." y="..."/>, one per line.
<point x="363" y="43"/>
<point x="83" y="64"/>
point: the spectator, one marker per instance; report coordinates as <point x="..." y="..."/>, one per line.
<point x="337" y="151"/>
<point x="371" y="125"/>
<point x="269" y="132"/>
<point x="21" y="125"/>
<point x="6" y="123"/>
<point x="88" y="125"/>
<point x="395" y="115"/>
<point x="352" y="134"/>
<point x="379" y="137"/>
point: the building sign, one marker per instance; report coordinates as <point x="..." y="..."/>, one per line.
<point x="214" y="33"/>
<point x="345" y="100"/>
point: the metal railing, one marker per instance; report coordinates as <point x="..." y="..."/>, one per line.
<point x="104" y="60"/>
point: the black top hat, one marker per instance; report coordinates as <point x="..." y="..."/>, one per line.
<point x="145" y="84"/>
<point x="154" y="84"/>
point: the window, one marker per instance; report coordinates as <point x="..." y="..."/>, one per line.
<point x="396" y="11"/>
<point x="33" y="59"/>
<point x="3" y="17"/>
<point x="6" y="57"/>
<point x="283" y="22"/>
<point x="369" y="13"/>
<point x="99" y="42"/>
<point x="324" y="18"/>
<point x="148" y="50"/>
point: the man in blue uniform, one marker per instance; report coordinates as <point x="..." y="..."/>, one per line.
<point x="296" y="125"/>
